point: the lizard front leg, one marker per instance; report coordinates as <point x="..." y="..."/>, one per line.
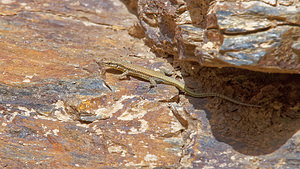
<point x="152" y="82"/>
<point x="124" y="75"/>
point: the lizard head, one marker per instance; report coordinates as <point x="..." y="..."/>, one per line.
<point x="107" y="62"/>
<point x="112" y="63"/>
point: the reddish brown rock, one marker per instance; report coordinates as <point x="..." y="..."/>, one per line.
<point x="251" y="35"/>
<point x="56" y="110"/>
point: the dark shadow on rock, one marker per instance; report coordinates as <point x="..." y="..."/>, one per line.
<point x="250" y="130"/>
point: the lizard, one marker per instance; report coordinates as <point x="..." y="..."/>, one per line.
<point x="155" y="77"/>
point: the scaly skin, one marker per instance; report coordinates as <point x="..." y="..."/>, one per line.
<point x="157" y="77"/>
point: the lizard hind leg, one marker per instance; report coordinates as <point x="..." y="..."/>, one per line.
<point x="166" y="72"/>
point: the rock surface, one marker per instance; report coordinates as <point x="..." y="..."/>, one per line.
<point x="58" y="111"/>
<point x="253" y="35"/>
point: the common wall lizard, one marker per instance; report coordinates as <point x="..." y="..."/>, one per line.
<point x="155" y="77"/>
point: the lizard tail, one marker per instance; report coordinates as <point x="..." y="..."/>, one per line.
<point x="193" y="94"/>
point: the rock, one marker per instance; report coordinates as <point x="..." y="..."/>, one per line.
<point x="58" y="109"/>
<point x="249" y="35"/>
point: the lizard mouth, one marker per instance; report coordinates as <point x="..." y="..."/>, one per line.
<point x="110" y="64"/>
<point x="107" y="63"/>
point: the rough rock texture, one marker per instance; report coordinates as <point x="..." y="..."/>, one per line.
<point x="58" y="111"/>
<point x="254" y="35"/>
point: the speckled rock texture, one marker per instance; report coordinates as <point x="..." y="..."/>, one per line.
<point x="59" y="110"/>
<point x="254" y="35"/>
